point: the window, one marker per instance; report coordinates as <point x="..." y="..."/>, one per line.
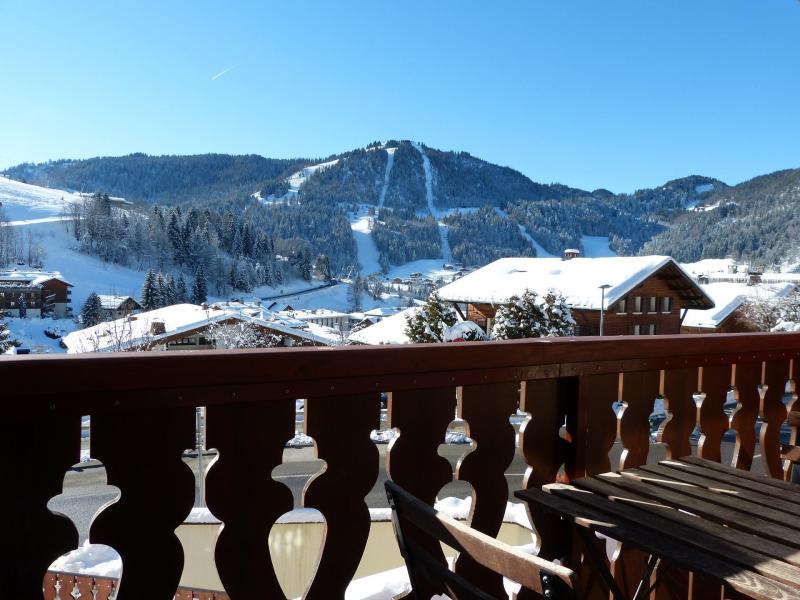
<point x="637" y="304"/>
<point x="622" y="306"/>
<point x="637" y="330"/>
<point x="666" y="305"/>
<point x="653" y="304"/>
<point x="651" y="329"/>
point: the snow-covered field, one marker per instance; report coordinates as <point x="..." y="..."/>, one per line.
<point x="23" y="202"/>
<point x="30" y="333"/>
<point x="86" y="273"/>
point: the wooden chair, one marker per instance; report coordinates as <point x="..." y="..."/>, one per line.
<point x="790" y="452"/>
<point x="419" y="528"/>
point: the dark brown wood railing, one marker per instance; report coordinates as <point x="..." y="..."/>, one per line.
<point x="250" y="396"/>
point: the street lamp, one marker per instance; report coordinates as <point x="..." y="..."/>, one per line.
<point x="603" y="289"/>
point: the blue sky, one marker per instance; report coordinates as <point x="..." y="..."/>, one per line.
<point x="619" y="94"/>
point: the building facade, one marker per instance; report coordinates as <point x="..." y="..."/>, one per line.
<point x="637" y="295"/>
<point x="34" y="294"/>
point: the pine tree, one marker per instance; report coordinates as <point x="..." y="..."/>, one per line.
<point x="323" y="268"/>
<point x="5" y="335"/>
<point x="170" y="291"/>
<point x="175" y="238"/>
<point x="429" y="323"/>
<point x="354" y="295"/>
<point x="92" y="311"/>
<point x="200" y="286"/>
<point x="161" y="291"/>
<point x="532" y="316"/>
<point x="149" y="298"/>
<point x="181" y="294"/>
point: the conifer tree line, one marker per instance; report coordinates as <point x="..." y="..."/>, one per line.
<point x="236" y="252"/>
<point x="401" y="236"/>
<point x="160" y="290"/>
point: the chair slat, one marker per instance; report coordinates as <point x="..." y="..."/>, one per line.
<point x="518" y="566"/>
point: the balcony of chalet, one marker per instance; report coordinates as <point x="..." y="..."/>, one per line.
<point x="584" y="397"/>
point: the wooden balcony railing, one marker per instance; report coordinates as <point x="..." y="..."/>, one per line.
<point x="149" y="399"/>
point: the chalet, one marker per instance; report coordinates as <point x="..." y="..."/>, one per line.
<point x="639" y="295"/>
<point x="728" y="315"/>
<point x="116" y="307"/>
<point x="34" y="294"/>
<point x="190" y="327"/>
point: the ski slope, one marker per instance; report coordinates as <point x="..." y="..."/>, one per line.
<point x="368" y="255"/>
<point x="296" y="181"/>
<point x="23" y="202"/>
<point x="447" y="255"/>
<point x="389" y="164"/>
<point x="596" y="246"/>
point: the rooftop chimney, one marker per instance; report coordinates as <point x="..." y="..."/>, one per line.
<point x="157" y="328"/>
<point x="571" y="253"/>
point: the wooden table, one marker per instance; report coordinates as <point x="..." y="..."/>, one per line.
<point x="743" y="530"/>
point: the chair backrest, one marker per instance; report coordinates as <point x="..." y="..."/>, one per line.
<point x="413" y="520"/>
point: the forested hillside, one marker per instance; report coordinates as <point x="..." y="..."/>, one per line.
<point x="756" y="221"/>
<point x="161" y="179"/>
<point x="478" y="238"/>
<point x="303" y="205"/>
<point x="460" y="179"/>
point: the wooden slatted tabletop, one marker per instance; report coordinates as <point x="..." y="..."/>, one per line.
<point x="740" y="528"/>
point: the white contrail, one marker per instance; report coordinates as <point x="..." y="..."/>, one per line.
<point x="221" y="73"/>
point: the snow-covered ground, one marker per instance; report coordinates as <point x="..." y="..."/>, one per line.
<point x="596" y="246"/>
<point x="368" y="255"/>
<point x="30" y="333"/>
<point x="24" y="202"/>
<point x="86" y="273"/>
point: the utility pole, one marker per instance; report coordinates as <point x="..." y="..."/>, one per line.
<point x="603" y="289"/>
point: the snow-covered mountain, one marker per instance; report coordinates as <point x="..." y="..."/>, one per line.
<point x="425" y="186"/>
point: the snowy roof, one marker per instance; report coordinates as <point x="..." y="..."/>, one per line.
<point x="284" y="322"/>
<point x="136" y="330"/>
<point x="112" y="302"/>
<point x="30" y="277"/>
<point x="390" y="330"/>
<point x="730" y="296"/>
<point x="578" y="279"/>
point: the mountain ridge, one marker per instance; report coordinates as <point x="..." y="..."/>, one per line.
<point x="682" y="217"/>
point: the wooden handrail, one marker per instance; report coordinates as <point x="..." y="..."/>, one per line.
<point x="311" y="369"/>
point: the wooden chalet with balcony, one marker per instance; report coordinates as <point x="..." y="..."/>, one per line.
<point x="640" y="295"/>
